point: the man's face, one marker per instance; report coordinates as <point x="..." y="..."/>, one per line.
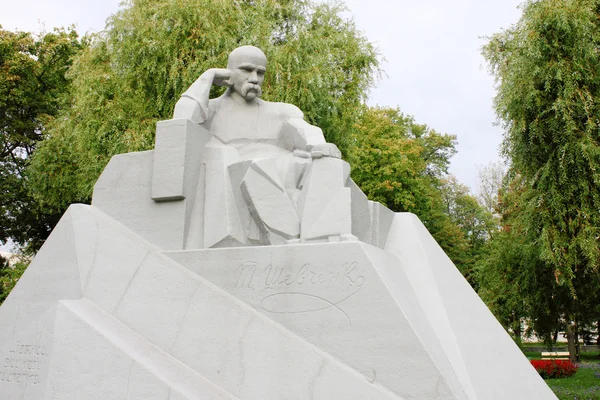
<point x="248" y="74"/>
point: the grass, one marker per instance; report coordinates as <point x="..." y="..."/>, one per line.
<point x="533" y="355"/>
<point x="584" y="385"/>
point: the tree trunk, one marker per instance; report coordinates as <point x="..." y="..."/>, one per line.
<point x="571" y="343"/>
<point x="516" y="328"/>
<point x="577" y="345"/>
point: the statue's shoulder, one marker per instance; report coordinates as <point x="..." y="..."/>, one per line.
<point x="284" y="110"/>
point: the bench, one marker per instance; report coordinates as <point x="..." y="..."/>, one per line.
<point x="555" y="355"/>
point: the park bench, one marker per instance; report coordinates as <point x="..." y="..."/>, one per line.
<point x="555" y="355"/>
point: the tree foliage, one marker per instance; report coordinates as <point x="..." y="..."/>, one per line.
<point x="489" y="183"/>
<point x="9" y="276"/>
<point x="548" y="98"/>
<point x="516" y="284"/>
<point x="33" y="89"/>
<point x="134" y="72"/>
<point x="397" y="161"/>
<point x="404" y="166"/>
<point x="549" y="101"/>
<point x="475" y="222"/>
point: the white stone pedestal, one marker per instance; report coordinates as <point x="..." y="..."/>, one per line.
<point x="103" y="314"/>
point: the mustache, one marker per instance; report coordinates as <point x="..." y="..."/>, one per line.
<point x="251" y="86"/>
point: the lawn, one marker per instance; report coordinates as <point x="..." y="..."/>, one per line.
<point x="584" y="385"/>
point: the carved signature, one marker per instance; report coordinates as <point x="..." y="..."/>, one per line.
<point x="273" y="303"/>
<point x="294" y="284"/>
<point x="274" y="277"/>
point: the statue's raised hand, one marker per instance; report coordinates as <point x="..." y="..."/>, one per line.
<point x="222" y="77"/>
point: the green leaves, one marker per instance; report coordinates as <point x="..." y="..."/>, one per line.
<point x="33" y="90"/>
<point x="548" y="98"/>
<point x="9" y="276"/>
<point x="404" y="165"/>
<point x="387" y="158"/>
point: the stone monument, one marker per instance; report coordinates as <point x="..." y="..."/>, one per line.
<point x="238" y="260"/>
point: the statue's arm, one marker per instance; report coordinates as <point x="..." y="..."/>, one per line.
<point x="193" y="103"/>
<point x="297" y="134"/>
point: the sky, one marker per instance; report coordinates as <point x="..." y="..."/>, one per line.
<point x="433" y="70"/>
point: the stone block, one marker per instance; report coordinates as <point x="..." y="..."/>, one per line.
<point x="167" y="290"/>
<point x="222" y="224"/>
<point x="332" y="296"/>
<point x="98" y="358"/>
<point x="324" y="204"/>
<point x="381" y="221"/>
<point x="322" y="321"/>
<point x="177" y="156"/>
<point x="123" y="192"/>
<point x="269" y="204"/>
<point x="361" y="215"/>
<point x="485" y="358"/>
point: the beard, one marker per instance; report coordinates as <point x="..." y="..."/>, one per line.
<point x="250" y="87"/>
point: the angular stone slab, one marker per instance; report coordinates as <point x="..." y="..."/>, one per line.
<point x="324" y="188"/>
<point x="361" y="214"/>
<point x="27" y="316"/>
<point x="334" y="297"/>
<point x="381" y="221"/>
<point x="123" y="191"/>
<point x="481" y="351"/>
<point x="219" y="336"/>
<point x="97" y="358"/>
<point x="177" y="155"/>
<point x="114" y="317"/>
<point x="222" y="226"/>
<point x="166" y="334"/>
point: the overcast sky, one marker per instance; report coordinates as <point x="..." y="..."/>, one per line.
<point x="434" y="70"/>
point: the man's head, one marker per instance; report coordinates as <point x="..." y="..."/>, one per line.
<point x="248" y="65"/>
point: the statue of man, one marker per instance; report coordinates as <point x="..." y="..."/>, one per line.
<point x="240" y="118"/>
<point x="275" y="153"/>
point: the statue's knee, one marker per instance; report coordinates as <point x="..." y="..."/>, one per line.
<point x="332" y="167"/>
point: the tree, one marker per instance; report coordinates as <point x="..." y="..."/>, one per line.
<point x="134" y="72"/>
<point x="403" y="165"/>
<point x="500" y="275"/>
<point x="9" y="276"/>
<point x="476" y="223"/>
<point x="397" y="161"/>
<point x="33" y="89"/>
<point x="515" y="283"/>
<point x="489" y="182"/>
<point x="548" y="98"/>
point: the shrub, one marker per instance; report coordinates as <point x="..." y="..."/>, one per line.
<point x="554" y="368"/>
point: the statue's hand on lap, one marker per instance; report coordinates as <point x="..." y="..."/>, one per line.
<point x="325" y="150"/>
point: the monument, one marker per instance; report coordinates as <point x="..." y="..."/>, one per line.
<point x="238" y="260"/>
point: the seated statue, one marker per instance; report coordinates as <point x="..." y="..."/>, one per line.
<point x="270" y="177"/>
<point x="240" y="118"/>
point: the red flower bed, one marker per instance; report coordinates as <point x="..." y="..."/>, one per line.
<point x="554" y="368"/>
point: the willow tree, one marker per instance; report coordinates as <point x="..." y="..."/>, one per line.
<point x="152" y="50"/>
<point x="547" y="69"/>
